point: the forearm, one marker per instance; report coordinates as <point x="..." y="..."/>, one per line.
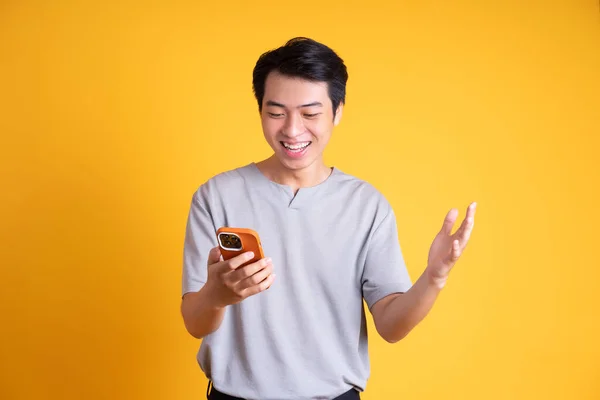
<point x="200" y="315"/>
<point x="406" y="310"/>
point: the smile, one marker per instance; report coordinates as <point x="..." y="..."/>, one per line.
<point x="296" y="147"/>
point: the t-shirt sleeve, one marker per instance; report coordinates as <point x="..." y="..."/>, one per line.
<point x="385" y="271"/>
<point x="199" y="239"/>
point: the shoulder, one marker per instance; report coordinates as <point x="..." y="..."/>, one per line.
<point x="226" y="181"/>
<point x="362" y="193"/>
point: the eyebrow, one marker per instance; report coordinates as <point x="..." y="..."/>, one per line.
<point x="276" y="104"/>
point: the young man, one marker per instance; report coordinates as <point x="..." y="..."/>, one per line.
<point x="330" y="240"/>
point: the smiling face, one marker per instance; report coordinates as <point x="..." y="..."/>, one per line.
<point x="297" y="120"/>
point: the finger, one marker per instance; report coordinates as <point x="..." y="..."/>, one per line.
<point x="467" y="221"/>
<point x="214" y="256"/>
<point x="256" y="278"/>
<point x="261" y="287"/>
<point x="237" y="261"/>
<point x="459" y="232"/>
<point x="449" y="221"/>
<point x="466" y="234"/>
<point x="247" y="271"/>
<point x="455" y="251"/>
<point x="472" y="208"/>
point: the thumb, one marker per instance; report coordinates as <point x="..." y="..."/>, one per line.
<point x="214" y="256"/>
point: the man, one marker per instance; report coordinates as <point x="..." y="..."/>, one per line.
<point x="330" y="238"/>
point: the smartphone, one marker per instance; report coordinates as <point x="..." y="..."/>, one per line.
<point x="235" y="241"/>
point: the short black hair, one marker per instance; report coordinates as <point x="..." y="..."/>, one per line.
<point x="304" y="58"/>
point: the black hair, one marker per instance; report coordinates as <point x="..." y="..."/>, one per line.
<point x="304" y="58"/>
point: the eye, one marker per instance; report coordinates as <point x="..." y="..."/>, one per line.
<point x="311" y="115"/>
<point x="275" y="115"/>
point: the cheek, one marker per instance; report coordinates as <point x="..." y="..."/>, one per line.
<point x="270" y="127"/>
<point x="320" y="129"/>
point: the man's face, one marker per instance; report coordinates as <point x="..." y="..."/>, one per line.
<point x="297" y="119"/>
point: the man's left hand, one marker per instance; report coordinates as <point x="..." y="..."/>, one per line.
<point x="447" y="248"/>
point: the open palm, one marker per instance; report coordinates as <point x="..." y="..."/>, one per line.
<point x="447" y="247"/>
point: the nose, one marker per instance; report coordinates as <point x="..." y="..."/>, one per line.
<point x="294" y="126"/>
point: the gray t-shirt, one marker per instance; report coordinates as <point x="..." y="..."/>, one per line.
<point x="332" y="245"/>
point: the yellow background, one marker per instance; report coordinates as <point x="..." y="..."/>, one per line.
<point x="112" y="115"/>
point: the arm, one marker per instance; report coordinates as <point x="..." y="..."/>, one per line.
<point x="229" y="282"/>
<point x="200" y="316"/>
<point x="397" y="314"/>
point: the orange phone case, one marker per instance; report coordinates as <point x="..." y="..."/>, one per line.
<point x="248" y="241"/>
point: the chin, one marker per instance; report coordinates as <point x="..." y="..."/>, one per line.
<point x="295" y="165"/>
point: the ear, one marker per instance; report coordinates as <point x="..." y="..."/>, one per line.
<point x="338" y="114"/>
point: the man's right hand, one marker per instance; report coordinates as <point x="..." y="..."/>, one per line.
<point x="230" y="283"/>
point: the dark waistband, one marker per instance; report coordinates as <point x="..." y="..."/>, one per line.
<point x="214" y="394"/>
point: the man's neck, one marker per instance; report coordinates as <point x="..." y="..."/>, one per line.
<point x="312" y="175"/>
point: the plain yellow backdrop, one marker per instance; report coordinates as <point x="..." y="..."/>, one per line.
<point x="113" y="113"/>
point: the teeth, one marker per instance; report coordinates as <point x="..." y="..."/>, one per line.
<point x="296" y="146"/>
